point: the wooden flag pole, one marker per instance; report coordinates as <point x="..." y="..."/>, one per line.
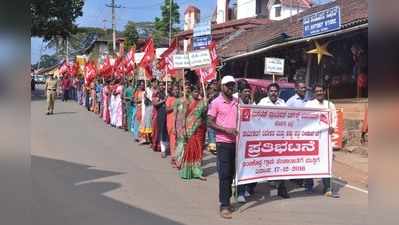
<point x="204" y="89"/>
<point x="184" y="85"/>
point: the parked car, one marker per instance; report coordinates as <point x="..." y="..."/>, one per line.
<point x="40" y="79"/>
<point x="259" y="88"/>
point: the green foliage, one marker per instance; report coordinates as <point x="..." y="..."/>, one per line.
<point x="162" y="24"/>
<point x="131" y="35"/>
<point x="46" y="61"/>
<point x="54" y="18"/>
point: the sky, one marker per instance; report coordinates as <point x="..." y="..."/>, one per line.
<point x="96" y="14"/>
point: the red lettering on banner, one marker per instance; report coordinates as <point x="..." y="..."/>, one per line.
<point x="269" y="148"/>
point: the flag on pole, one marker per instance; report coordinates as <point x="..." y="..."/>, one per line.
<point x="130" y="61"/>
<point x="105" y="69"/>
<point x="212" y="51"/>
<point x="63" y="69"/>
<point x="148" y="58"/>
<point x="166" y="61"/>
<point x="73" y="69"/>
<point x="90" y="73"/>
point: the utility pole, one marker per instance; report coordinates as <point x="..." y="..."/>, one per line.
<point x="113" y="6"/>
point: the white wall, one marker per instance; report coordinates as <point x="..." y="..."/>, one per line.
<point x="286" y="12"/>
<point x="221" y="11"/>
<point x="246" y="8"/>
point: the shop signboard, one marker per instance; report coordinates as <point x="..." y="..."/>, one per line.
<point x="322" y="22"/>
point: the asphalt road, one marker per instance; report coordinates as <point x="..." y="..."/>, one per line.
<point x="85" y="172"/>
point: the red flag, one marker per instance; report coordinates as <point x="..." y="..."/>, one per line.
<point x="90" y="73"/>
<point x="64" y="68"/>
<point x="166" y="62"/>
<point x="73" y="69"/>
<point x="207" y="74"/>
<point x="212" y="51"/>
<point x="130" y="61"/>
<point x="148" y="58"/>
<point x="105" y="69"/>
<point x="120" y="70"/>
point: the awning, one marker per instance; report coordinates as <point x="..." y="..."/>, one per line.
<point x="291" y="42"/>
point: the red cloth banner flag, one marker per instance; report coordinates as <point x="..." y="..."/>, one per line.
<point x="148" y="58"/>
<point x="130" y="61"/>
<point x="207" y="74"/>
<point x="90" y="73"/>
<point x="166" y="61"/>
<point x="106" y="68"/>
<point x="212" y="51"/>
<point x="73" y="69"/>
<point x="64" y="68"/>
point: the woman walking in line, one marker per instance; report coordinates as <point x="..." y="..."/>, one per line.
<point x="189" y="152"/>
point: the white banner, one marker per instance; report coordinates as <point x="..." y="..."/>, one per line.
<point x="281" y="143"/>
<point x="181" y="61"/>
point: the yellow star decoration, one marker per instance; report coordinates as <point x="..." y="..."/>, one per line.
<point x="320" y="50"/>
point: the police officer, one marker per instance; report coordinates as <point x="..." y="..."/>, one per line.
<point x="51" y="90"/>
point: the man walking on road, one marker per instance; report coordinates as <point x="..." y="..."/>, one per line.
<point x="50" y="89"/>
<point x="223" y="119"/>
<point x="321" y="103"/>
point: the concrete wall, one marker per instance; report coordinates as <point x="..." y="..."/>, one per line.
<point x="286" y="12"/>
<point x="246" y="8"/>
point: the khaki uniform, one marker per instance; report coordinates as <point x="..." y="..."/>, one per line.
<point x="51" y="90"/>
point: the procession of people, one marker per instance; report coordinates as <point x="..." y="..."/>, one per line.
<point x="178" y="120"/>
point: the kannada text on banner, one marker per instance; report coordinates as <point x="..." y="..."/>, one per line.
<point x="282" y="143"/>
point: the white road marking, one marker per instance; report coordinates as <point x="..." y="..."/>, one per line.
<point x="351" y="187"/>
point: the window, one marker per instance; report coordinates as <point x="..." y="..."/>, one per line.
<point x="277" y="11"/>
<point x="258" y="7"/>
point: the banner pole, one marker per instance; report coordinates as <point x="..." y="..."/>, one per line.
<point x="184" y="85"/>
<point x="204" y="89"/>
<point x="274" y="78"/>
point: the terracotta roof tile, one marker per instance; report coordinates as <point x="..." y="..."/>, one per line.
<point x="351" y="11"/>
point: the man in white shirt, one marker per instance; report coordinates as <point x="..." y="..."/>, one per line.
<point x="321" y="103"/>
<point x="272" y="99"/>
<point x="299" y="99"/>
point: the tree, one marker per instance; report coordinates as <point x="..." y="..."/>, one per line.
<point x="46" y="61"/>
<point x="131" y="35"/>
<point x="162" y="24"/>
<point x="54" y="19"/>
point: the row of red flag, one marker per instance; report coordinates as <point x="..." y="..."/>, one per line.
<point x="125" y="65"/>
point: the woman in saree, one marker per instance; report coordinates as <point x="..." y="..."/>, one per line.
<point x="170" y="121"/>
<point x="145" y="116"/>
<point x="137" y="110"/>
<point x="159" y="105"/>
<point x="106" y="98"/>
<point x="127" y="97"/>
<point x="191" y="136"/>
<point x="118" y="103"/>
<point x="155" y="143"/>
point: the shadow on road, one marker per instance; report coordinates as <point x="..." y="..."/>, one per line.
<point x="60" y="113"/>
<point x="263" y="192"/>
<point x="67" y="193"/>
<point x="209" y="164"/>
